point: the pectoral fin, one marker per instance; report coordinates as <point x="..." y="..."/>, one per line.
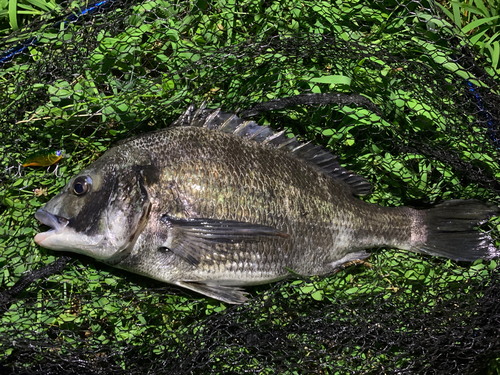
<point x="227" y="294"/>
<point x="194" y="239"/>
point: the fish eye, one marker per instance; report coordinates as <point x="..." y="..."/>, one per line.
<point x="81" y="186"/>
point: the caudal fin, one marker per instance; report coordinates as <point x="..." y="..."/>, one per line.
<point x="449" y="231"/>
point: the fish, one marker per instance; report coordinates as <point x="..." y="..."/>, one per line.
<point x="215" y="203"/>
<point x="43" y="159"/>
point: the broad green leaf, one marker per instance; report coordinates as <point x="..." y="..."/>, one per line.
<point x="318" y="295"/>
<point x="336" y="79"/>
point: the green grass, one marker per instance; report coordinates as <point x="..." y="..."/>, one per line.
<point x="480" y="21"/>
<point x="169" y="55"/>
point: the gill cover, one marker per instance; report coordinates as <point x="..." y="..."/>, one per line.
<point x="127" y="214"/>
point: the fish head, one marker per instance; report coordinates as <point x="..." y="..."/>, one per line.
<point x="100" y="213"/>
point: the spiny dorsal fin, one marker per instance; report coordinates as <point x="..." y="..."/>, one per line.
<point x="316" y="155"/>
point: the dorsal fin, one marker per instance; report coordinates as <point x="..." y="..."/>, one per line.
<point x="313" y="154"/>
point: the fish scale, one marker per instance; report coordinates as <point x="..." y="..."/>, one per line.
<point x="214" y="203"/>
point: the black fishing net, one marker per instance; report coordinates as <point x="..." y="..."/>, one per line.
<point x="410" y="104"/>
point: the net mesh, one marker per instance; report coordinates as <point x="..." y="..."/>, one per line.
<point x="421" y="125"/>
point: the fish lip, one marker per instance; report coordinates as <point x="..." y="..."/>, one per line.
<point x="56" y="222"/>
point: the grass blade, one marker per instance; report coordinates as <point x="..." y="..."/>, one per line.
<point x="457" y="15"/>
<point x="495" y="54"/>
<point x="445" y="11"/>
<point x="46" y="6"/>
<point x="477" y="23"/>
<point x="13" y="14"/>
<point x="480" y="5"/>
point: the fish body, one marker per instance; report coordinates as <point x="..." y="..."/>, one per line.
<point x="214" y="203"/>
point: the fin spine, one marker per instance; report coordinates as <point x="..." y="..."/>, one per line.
<point x="315" y="155"/>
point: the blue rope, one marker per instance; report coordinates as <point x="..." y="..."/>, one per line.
<point x="71" y="17"/>
<point x="17" y="50"/>
<point x="89" y="10"/>
<point x="490" y="123"/>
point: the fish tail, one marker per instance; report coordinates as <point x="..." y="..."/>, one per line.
<point x="448" y="230"/>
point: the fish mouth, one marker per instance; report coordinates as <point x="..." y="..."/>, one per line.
<point x="55" y="222"/>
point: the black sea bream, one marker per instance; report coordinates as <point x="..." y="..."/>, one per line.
<point x="214" y="202"/>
